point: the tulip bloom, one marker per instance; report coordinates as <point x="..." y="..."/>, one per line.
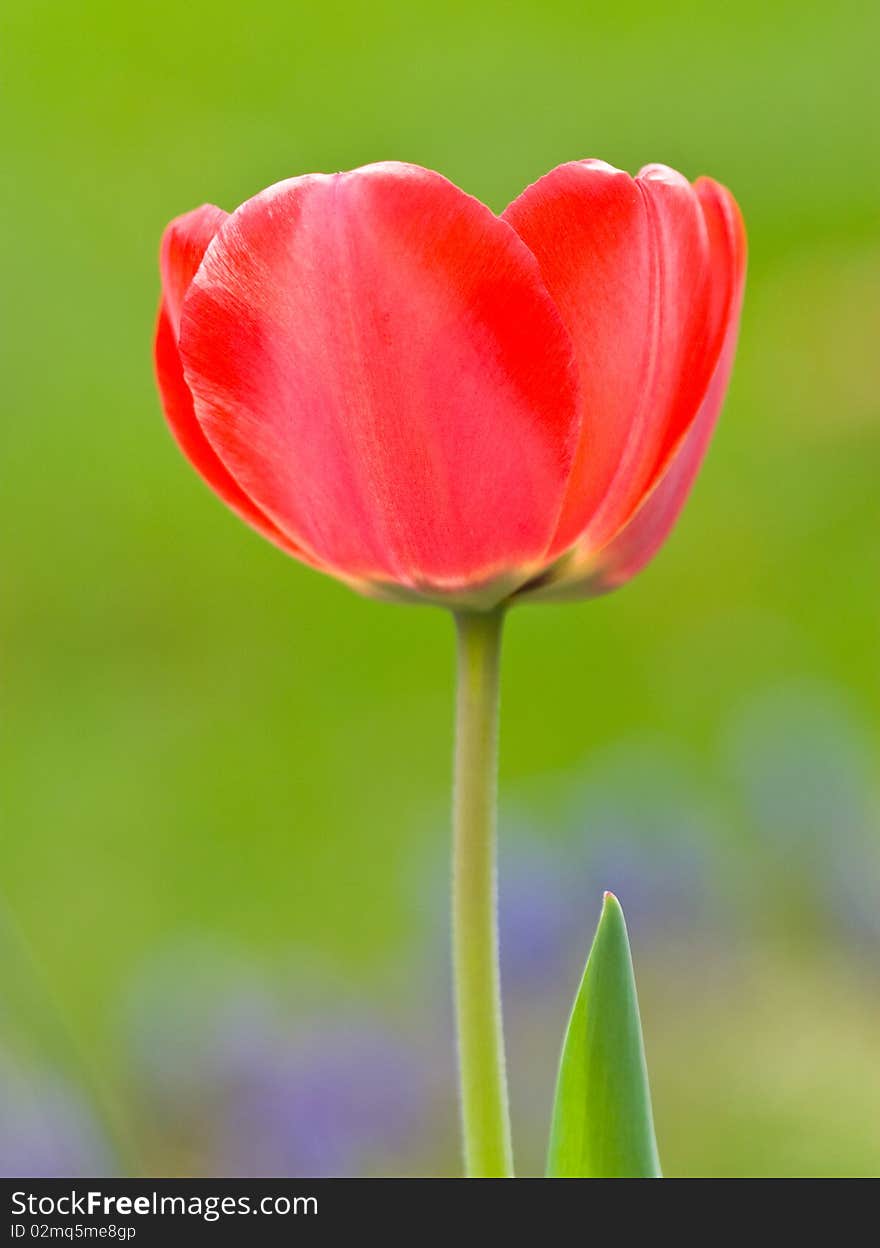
<point x="434" y="403"/>
<point x="427" y="400"/>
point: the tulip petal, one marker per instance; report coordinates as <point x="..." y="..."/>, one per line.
<point x="184" y="243"/>
<point x="584" y="572"/>
<point x="183" y="246"/>
<point x="627" y="262"/>
<point x="375" y="359"/>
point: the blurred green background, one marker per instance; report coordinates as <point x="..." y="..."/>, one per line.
<point x="216" y="759"/>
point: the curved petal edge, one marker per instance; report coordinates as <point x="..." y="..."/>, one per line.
<point x="585" y="571"/>
<point x="184" y="243"/>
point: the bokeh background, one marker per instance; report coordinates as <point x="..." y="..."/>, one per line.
<point x="223" y="864"/>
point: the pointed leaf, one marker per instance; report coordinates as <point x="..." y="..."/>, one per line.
<point x="602" y="1121"/>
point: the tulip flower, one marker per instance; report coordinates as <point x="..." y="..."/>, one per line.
<point x="432" y="402"/>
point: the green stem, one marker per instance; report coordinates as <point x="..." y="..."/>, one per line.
<point x="483" y="1080"/>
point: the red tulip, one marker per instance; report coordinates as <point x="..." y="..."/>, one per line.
<point x="424" y="399"/>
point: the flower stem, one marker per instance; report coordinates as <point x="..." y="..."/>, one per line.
<point x="482" y="1076"/>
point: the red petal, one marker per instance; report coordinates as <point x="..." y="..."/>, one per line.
<point x="183" y="245"/>
<point x="375" y="359"/>
<point x="627" y="262"/>
<point x="585" y="572"/>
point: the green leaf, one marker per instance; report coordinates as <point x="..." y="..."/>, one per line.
<point x="603" y="1127"/>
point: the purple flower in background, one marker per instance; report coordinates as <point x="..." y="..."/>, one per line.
<point x="345" y="1099"/>
<point x="636" y="823"/>
<point x="46" y="1128"/>
<point x="646" y="833"/>
<point x="251" y="1089"/>
<point x="541" y="927"/>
